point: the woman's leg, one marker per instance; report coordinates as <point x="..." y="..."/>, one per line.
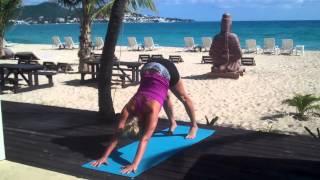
<point x="168" y="108"/>
<point x="179" y="91"/>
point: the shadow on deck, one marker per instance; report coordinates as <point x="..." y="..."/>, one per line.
<point x="62" y="139"/>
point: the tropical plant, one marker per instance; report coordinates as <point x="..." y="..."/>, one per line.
<point x="7" y="11"/>
<point x="91" y="9"/>
<point x="312" y="134"/>
<point x="212" y="122"/>
<point x="303" y="104"/>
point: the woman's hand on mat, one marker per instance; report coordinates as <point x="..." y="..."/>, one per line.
<point x="129" y="168"/>
<point x="100" y="161"/>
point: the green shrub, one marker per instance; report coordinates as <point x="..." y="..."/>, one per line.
<point x="303" y="104"/>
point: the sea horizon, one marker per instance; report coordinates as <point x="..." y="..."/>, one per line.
<point x="303" y="32"/>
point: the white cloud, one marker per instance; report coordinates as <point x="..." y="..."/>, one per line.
<point x="245" y="3"/>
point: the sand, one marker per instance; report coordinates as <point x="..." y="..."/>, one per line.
<point x="251" y="102"/>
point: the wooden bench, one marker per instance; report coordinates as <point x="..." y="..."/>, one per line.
<point x="144" y="58"/>
<point x="175" y="58"/>
<point x="48" y="74"/>
<point x="206" y="59"/>
<point x="248" y="61"/>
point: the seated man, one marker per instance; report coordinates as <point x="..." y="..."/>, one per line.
<point x="225" y="49"/>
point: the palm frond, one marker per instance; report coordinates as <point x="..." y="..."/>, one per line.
<point x="104" y="10"/>
<point x="133" y="5"/>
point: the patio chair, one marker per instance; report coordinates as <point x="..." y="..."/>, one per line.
<point x="133" y="44"/>
<point x="99" y="43"/>
<point x="270" y="46"/>
<point x="69" y="43"/>
<point x="189" y="44"/>
<point x="252" y="47"/>
<point x="56" y="42"/>
<point x="287" y="47"/>
<point x="149" y="44"/>
<point x="206" y="43"/>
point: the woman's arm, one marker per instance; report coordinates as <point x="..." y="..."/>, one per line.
<point x="114" y="141"/>
<point x="151" y="120"/>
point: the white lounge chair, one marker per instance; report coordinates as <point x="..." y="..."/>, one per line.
<point x="133" y="44"/>
<point x="252" y="47"/>
<point x="149" y="44"/>
<point x="287" y="47"/>
<point x="270" y="46"/>
<point x="99" y="43"/>
<point x="206" y="43"/>
<point x="189" y="44"/>
<point x="56" y="42"/>
<point x="69" y="43"/>
<point x="8" y="44"/>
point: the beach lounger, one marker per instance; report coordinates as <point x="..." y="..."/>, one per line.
<point x="270" y="46"/>
<point x="144" y="58"/>
<point x="189" y="44"/>
<point x="157" y="56"/>
<point x="206" y="43"/>
<point x="287" y="47"/>
<point x="175" y="58"/>
<point x="248" y="61"/>
<point x="8" y="44"/>
<point x="68" y="42"/>
<point x="26" y="58"/>
<point x="99" y="43"/>
<point x="56" y="43"/>
<point x="133" y="44"/>
<point x="251" y="46"/>
<point x="149" y="44"/>
<point x="206" y="59"/>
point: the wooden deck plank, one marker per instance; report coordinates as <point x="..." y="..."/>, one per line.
<point x="61" y="139"/>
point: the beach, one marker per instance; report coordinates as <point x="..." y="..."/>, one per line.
<point x="254" y="101"/>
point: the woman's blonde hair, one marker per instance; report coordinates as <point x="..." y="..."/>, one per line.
<point x="132" y="129"/>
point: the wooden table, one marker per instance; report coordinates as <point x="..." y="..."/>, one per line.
<point x="19" y="69"/>
<point x="121" y="66"/>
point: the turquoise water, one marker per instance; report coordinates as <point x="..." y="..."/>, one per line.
<point x="171" y="34"/>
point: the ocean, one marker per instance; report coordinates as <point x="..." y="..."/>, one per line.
<point x="171" y="34"/>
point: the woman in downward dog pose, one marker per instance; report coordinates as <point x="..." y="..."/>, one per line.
<point x="145" y="106"/>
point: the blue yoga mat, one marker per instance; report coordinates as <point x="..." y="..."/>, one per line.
<point x="160" y="148"/>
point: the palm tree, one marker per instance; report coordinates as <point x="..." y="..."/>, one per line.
<point x="116" y="9"/>
<point x="106" y="109"/>
<point x="91" y="9"/>
<point x="8" y="9"/>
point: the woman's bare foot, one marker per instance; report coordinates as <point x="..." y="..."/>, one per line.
<point x="173" y="127"/>
<point x="192" y="132"/>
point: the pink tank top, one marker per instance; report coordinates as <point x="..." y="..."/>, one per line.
<point x="152" y="87"/>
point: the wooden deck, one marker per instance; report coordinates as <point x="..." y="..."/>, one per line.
<point x="61" y="140"/>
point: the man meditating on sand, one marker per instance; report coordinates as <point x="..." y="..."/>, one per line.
<point x="225" y="49"/>
<point x="145" y="106"/>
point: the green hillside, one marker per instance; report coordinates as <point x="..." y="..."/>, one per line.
<point x="50" y="11"/>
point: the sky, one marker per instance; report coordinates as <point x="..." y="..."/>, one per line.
<point x="241" y="10"/>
